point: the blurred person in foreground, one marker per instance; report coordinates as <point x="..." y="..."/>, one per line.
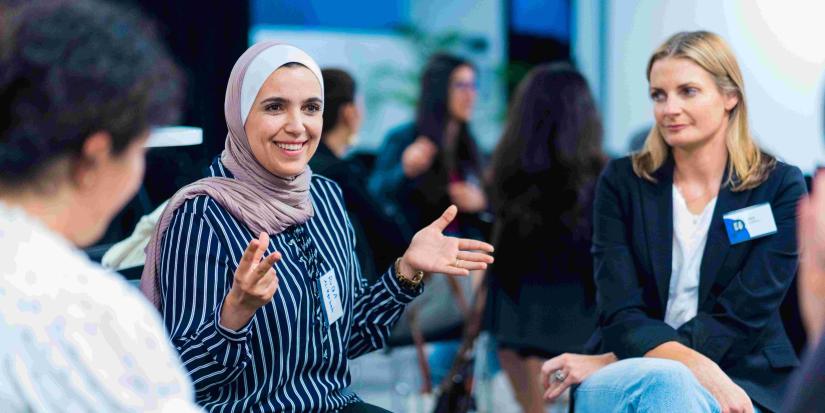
<point x="806" y="393"/>
<point x="378" y="236"/>
<point x="694" y="248"/>
<point x="81" y="83"/>
<point x="542" y="298"/>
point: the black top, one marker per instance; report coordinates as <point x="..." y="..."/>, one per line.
<point x="541" y="297"/>
<point x="539" y="232"/>
<point x="741" y="286"/>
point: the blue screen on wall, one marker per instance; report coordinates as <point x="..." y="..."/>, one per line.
<point x="545" y="18"/>
<point x="351" y="14"/>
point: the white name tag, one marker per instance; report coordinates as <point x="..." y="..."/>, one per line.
<point x="748" y="223"/>
<point x="332" y="299"/>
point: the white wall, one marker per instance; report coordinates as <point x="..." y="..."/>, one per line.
<point x="361" y="52"/>
<point x="779" y="45"/>
<point x="586" y="32"/>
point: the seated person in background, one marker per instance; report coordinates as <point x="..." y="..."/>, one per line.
<point x="81" y="83"/>
<point x="687" y="297"/>
<point x="434" y="162"/>
<point x="378" y="237"/>
<point x="421" y="168"/>
<point x="223" y="245"/>
<point x="544" y="171"/>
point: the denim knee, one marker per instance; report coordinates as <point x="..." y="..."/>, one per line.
<point x="646" y="374"/>
<point x="643" y="385"/>
<point x="667" y="384"/>
<point x="662" y="373"/>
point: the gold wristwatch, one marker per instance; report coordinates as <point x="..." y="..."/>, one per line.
<point x="408" y="283"/>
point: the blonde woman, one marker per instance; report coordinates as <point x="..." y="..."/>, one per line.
<point x="694" y="248"/>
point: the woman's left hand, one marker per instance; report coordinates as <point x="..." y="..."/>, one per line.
<point x="433" y="252"/>
<point x="559" y="373"/>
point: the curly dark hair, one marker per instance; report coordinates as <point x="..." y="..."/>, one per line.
<point x="69" y="69"/>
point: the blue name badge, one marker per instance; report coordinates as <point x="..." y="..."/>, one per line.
<point x="748" y="223"/>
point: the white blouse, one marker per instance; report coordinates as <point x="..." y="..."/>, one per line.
<point x="75" y="337"/>
<point x="690" y="234"/>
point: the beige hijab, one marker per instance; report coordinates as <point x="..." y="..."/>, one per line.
<point x="256" y="197"/>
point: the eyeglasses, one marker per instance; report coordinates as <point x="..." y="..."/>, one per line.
<point x="464" y="86"/>
<point x="313" y="262"/>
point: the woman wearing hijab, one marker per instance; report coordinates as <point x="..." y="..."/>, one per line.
<point x="254" y="269"/>
<point x="81" y="83"/>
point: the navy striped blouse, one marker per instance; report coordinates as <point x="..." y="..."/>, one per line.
<point x="287" y="357"/>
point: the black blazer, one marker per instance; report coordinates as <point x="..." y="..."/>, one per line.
<point x="741" y="286"/>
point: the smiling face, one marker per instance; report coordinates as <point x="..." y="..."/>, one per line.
<point x="689" y="107"/>
<point x="284" y="124"/>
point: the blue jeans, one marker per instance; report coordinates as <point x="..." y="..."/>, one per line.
<point x="643" y="385"/>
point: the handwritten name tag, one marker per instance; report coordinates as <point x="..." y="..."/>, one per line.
<point x="331" y="296"/>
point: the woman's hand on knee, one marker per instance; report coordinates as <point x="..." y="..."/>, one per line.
<point x="731" y="397"/>
<point x="559" y="373"/>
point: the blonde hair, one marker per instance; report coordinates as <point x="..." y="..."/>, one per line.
<point x="748" y="166"/>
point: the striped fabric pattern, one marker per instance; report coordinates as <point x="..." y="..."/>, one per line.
<point x="287" y="358"/>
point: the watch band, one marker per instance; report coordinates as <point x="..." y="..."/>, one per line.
<point x="408" y="283"/>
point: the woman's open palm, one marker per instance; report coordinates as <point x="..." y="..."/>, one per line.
<point x="433" y="252"/>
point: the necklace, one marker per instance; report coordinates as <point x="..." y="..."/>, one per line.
<point x="702" y="198"/>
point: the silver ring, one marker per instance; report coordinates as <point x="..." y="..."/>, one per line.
<point x="455" y="264"/>
<point x="559" y="375"/>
